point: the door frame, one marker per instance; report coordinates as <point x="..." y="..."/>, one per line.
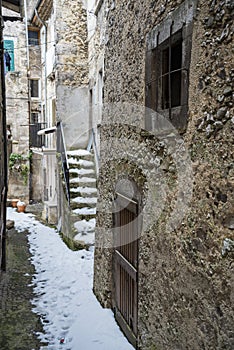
<point x="123" y="269"/>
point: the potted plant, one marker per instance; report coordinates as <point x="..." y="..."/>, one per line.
<point x="14" y="202"/>
<point x="21" y="206"/>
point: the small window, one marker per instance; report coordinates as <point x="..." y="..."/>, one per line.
<point x="170" y="75"/>
<point x="167" y="67"/>
<point x="33" y="37"/>
<point x="9" y="59"/>
<point x="34" y="88"/>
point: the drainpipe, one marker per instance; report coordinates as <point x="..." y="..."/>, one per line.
<point x="45" y="50"/>
<point x="26" y="30"/>
<point x="4" y="137"/>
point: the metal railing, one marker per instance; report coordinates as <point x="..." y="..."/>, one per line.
<point x="36" y="140"/>
<point x="93" y="144"/>
<point x="61" y="148"/>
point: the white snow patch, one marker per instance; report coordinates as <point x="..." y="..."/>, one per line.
<point x="87" y="179"/>
<point x="85" y="225"/>
<point x="79" y="152"/>
<point x="82" y="171"/>
<point x="85" y="211"/>
<point x="63" y="286"/>
<point x="86" y="237"/>
<point x="83" y="179"/>
<point x="88" y="200"/>
<point x="85" y="163"/>
<point x="73" y="161"/>
<point x="84" y="190"/>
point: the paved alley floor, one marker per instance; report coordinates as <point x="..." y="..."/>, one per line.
<point x="18" y="324"/>
<point x="70" y="314"/>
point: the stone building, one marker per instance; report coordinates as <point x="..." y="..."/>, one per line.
<point x="17" y="103"/>
<point x="47" y="89"/>
<point x="23" y="103"/>
<point x="96" y="23"/>
<point x="62" y="76"/>
<point x="164" y="242"/>
<point x="15" y="6"/>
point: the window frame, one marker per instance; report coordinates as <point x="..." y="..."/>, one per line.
<point x="35" y="30"/>
<point x="38" y="88"/>
<point x="161" y="37"/>
<point x="9" y="46"/>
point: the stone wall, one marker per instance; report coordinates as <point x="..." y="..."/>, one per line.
<point x="17" y="107"/>
<point x="2" y="162"/>
<point x="72" y="71"/>
<point x="37" y="187"/>
<point x="185" y="267"/>
<point x="97" y="40"/>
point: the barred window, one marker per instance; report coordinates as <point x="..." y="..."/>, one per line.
<point x="33" y="37"/>
<point x="167" y="66"/>
<point x="34" y="88"/>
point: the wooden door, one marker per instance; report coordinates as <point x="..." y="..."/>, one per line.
<point x="125" y="260"/>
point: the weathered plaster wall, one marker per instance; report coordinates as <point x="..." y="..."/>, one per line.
<point x="17" y="103"/>
<point x="97" y="40"/>
<point x="185" y="274"/>
<point x="35" y="71"/>
<point x="72" y="71"/>
<point x="31" y="7"/>
<point x="37" y="187"/>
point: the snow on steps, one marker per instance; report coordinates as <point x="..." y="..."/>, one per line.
<point x="83" y="196"/>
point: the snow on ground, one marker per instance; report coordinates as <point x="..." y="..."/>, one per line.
<point x="82" y="171"/>
<point x="84" y="190"/>
<point x="83" y="179"/>
<point x="85" y="231"/>
<point x="85" y="211"/>
<point x="64" y="297"/>
<point x="79" y="152"/>
<point x="86" y="200"/>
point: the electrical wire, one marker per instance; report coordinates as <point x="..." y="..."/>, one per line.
<point x="24" y="47"/>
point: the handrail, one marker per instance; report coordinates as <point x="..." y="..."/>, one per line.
<point x="64" y="160"/>
<point x="92" y="143"/>
<point x="64" y="143"/>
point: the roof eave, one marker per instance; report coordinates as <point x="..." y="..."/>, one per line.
<point x="13" y="5"/>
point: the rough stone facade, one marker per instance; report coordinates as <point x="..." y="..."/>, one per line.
<point x="17" y="103"/>
<point x="72" y="71"/>
<point x="185" y="271"/>
<point x="97" y="39"/>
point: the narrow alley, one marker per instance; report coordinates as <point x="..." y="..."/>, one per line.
<point x="58" y="283"/>
<point x="18" y="323"/>
<point x="117" y="119"/>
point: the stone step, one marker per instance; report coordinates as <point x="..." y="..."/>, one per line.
<point x="85" y="226"/>
<point x="74" y="172"/>
<point x="80" y="154"/>
<point x="85" y="213"/>
<point x="82" y="202"/>
<point x="83" y="182"/>
<point x="80" y="164"/>
<point x="85" y="232"/>
<point x="83" y="192"/>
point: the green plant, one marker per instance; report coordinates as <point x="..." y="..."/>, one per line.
<point x="17" y="163"/>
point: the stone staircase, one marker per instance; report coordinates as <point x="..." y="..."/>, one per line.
<point x="83" y="193"/>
